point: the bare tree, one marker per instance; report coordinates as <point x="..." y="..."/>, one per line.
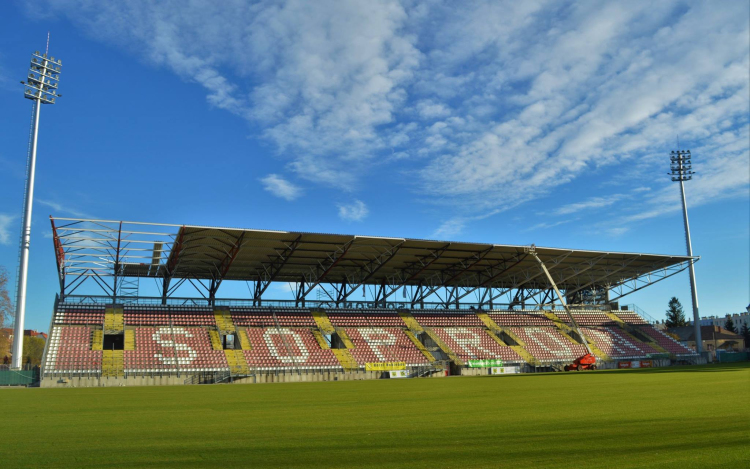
<point x="6" y="313"/>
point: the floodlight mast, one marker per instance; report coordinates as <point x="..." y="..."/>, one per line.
<point x="41" y="88"/>
<point x="682" y="170"/>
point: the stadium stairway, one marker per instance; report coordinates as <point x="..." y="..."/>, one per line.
<point x="113" y="320"/>
<point x="224" y="320"/>
<point x="527" y="357"/>
<point x="216" y="340"/>
<point x="631" y="331"/>
<point x="112" y="363"/>
<point x="129" y="339"/>
<point x="444" y="347"/>
<point x="345" y="338"/>
<point x="348" y="363"/>
<point x="419" y="344"/>
<point x="97" y="339"/>
<point x="566" y="330"/>
<point x="410" y="322"/>
<point x="321" y="319"/>
<point x="244" y="340"/>
<point x="321" y="340"/>
<point x="496" y="338"/>
<point x="237" y="362"/>
<point x="520" y="348"/>
<point x="487" y="320"/>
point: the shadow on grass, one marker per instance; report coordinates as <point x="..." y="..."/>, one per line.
<point x="741" y="366"/>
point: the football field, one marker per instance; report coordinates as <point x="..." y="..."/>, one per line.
<point x="670" y="417"/>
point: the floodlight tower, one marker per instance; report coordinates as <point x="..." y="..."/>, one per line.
<point x="682" y="170"/>
<point x="41" y="88"/>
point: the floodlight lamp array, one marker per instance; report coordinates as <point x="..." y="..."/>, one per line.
<point x="43" y="79"/>
<point x="681" y="165"/>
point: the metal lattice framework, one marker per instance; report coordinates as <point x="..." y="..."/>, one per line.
<point x="106" y="252"/>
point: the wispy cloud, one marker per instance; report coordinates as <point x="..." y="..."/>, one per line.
<point x="592" y="203"/>
<point x="6" y="221"/>
<point x="490" y="105"/>
<point x="280" y="187"/>
<point x="355" y="211"/>
<point x="63" y="209"/>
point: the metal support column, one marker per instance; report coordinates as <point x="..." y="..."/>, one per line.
<point x="681" y="166"/>
<point x="41" y="88"/>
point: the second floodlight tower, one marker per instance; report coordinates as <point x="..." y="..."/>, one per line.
<point x="682" y="170"/>
<point x="41" y="87"/>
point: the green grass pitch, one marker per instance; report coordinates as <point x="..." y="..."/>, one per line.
<point x="670" y="417"/>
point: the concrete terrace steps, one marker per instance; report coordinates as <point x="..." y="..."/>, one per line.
<point x="487" y="320"/>
<point x="410" y="322"/>
<point x="236" y="361"/>
<point x="244" y="339"/>
<point x="97" y="339"/>
<point x="129" y="343"/>
<point x="527" y="357"/>
<point x="223" y="319"/>
<point x="345" y="338"/>
<point x="444" y="347"/>
<point x="345" y="358"/>
<point x="216" y="340"/>
<point x="324" y="324"/>
<point x="320" y="339"/>
<point x="112" y="364"/>
<point x="419" y="345"/>
<point x="496" y="338"/>
<point x="113" y="320"/>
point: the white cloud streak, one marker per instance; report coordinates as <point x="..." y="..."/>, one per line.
<point x="60" y="208"/>
<point x="280" y="187"/>
<point x="6" y="221"/>
<point x="492" y="104"/>
<point x="355" y="211"/>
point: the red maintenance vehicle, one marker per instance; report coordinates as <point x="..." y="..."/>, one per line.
<point x="588" y="361"/>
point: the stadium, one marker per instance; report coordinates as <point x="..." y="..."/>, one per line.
<point x="497" y="310"/>
<point x="191" y="300"/>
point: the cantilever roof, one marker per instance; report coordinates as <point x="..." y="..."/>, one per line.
<point x="132" y="249"/>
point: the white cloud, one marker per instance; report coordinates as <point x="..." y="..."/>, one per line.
<point x="592" y="203"/>
<point x="280" y="187"/>
<point x="356" y="211"/>
<point x="64" y="209"/>
<point x="449" y="229"/>
<point x="5" y="224"/>
<point x="490" y="105"/>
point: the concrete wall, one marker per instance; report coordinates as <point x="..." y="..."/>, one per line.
<point x="282" y="376"/>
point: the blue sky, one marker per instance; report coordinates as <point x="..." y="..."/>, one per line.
<point x="501" y="122"/>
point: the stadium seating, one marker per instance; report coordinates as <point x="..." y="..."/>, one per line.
<point x="630" y="318"/>
<point x="80" y="314"/>
<point x="264" y="317"/>
<point x="510" y="319"/>
<point x="168" y="315"/>
<point x="616" y="343"/>
<point x="162" y="349"/>
<point x="446" y="320"/>
<point x="188" y="339"/>
<point x="474" y="344"/>
<point x="284" y="347"/>
<point x="666" y="342"/>
<point x="69" y="351"/>
<point x="379" y="344"/>
<point x="366" y="318"/>
<point x="547" y="345"/>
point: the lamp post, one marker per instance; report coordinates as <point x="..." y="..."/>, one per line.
<point x="41" y="88"/>
<point x="682" y="170"/>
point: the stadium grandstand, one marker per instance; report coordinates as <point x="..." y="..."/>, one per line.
<point x="363" y="307"/>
